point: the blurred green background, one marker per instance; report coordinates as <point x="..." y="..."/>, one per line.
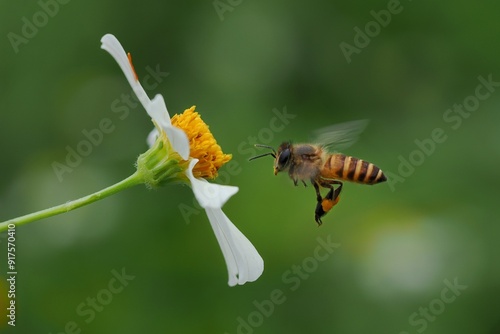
<point x="401" y="244"/>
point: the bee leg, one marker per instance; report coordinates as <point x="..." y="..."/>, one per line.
<point x="334" y="194"/>
<point x="319" y="212"/>
<point x="291" y="173"/>
<point x="304" y="182"/>
<point x="318" y="194"/>
<point x="329" y="201"/>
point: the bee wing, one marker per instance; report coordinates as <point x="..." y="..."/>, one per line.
<point x="338" y="137"/>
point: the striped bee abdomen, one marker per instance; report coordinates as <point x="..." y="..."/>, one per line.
<point x="344" y="167"/>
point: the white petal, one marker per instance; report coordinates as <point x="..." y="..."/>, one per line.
<point x="244" y="264"/>
<point x="115" y="49"/>
<point x="209" y="195"/>
<point x="159" y="112"/>
<point x="178" y="140"/>
<point x="152" y="137"/>
<point x="177" y="137"/>
<point x="155" y="108"/>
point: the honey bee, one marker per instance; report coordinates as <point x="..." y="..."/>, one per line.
<point x="319" y="164"/>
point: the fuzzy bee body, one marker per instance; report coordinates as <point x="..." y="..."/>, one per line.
<point x="314" y="163"/>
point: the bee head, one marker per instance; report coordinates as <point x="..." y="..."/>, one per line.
<point x="283" y="157"/>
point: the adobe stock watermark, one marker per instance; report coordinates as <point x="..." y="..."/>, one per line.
<point x="92" y="138"/>
<point x="420" y="320"/>
<point x="277" y="123"/>
<point x="222" y="6"/>
<point x="31" y="26"/>
<point x="88" y="309"/>
<point x="372" y="29"/>
<point x="292" y="278"/>
<point x="453" y="117"/>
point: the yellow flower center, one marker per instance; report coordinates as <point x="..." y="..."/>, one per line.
<point x="202" y="144"/>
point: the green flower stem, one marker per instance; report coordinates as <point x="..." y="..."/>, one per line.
<point x="134" y="179"/>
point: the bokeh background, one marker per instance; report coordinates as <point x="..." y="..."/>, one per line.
<point x="400" y="244"/>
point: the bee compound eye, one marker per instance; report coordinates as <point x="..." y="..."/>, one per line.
<point x="284" y="157"/>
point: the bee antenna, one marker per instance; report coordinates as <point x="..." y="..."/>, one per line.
<point x="263" y="155"/>
<point x="266" y="146"/>
<point x="273" y="153"/>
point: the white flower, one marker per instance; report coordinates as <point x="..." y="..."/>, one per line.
<point x="243" y="261"/>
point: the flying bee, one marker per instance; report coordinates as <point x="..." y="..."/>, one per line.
<point x="319" y="164"/>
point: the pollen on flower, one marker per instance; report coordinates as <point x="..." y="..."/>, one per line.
<point x="129" y="56"/>
<point x="202" y="144"/>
